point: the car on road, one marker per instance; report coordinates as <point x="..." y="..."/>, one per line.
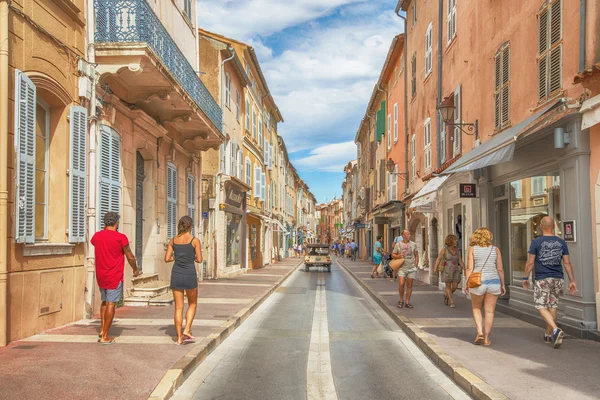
<point x="317" y="254"/>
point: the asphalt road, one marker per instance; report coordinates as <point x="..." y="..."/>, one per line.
<point x="319" y="336"/>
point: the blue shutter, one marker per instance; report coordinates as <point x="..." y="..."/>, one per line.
<point x="77" y="174"/>
<point x="171" y="200"/>
<point x="25" y="104"/>
<point x="109" y="194"/>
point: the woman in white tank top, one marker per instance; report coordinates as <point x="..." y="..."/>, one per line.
<point x="485" y="258"/>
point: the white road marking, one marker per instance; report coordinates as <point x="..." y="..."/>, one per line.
<point x="432" y="370"/>
<point x="319" y="382"/>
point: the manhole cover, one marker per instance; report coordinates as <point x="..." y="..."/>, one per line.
<point x="291" y="290"/>
<point x="24" y="347"/>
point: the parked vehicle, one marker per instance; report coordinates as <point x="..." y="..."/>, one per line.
<point x="317" y="254"/>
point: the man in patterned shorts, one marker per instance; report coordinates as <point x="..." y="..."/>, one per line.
<point x="548" y="253"/>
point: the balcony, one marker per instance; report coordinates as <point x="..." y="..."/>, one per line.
<point x="142" y="65"/>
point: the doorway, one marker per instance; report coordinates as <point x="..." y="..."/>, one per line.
<point x="139" y="208"/>
<point x="502" y="236"/>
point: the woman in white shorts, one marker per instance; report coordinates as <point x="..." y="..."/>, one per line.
<point x="485" y="258"/>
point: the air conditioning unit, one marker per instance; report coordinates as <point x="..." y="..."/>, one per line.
<point x="85" y="87"/>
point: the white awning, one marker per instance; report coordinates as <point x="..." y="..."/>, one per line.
<point x="281" y="227"/>
<point x="591" y="112"/>
<point x="428" y="192"/>
<point x="498" y="149"/>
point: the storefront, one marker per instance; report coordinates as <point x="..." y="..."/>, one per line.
<point x="231" y="212"/>
<point x="254" y="227"/>
<point x="539" y="167"/>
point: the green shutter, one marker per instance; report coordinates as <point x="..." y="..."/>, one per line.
<point x="380" y="124"/>
<point x="77" y="174"/>
<point x="25" y="104"/>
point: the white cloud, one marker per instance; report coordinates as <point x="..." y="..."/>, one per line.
<point x="330" y="157"/>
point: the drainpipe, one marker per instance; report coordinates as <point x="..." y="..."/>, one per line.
<point x="223" y="152"/>
<point x="582" y="35"/>
<point x="406" y="181"/>
<point x="3" y="172"/>
<point x="439" y="80"/>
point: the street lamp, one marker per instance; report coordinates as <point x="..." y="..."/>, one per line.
<point x="391" y="166"/>
<point x="446" y="110"/>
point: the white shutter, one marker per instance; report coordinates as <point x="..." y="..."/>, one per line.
<point x="191" y="200"/>
<point x="389" y="186"/>
<point x="109" y="195"/>
<point x="389" y="131"/>
<point x="171" y="200"/>
<point x="257" y="181"/>
<point x="395" y="122"/>
<point x="25" y="104"/>
<point x="270" y="156"/>
<point x="263" y="186"/>
<point x="457" y="120"/>
<point x="394" y="179"/>
<point x="77" y="174"/>
<point x="240" y="164"/>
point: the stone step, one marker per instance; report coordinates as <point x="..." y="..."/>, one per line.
<point x="136" y="301"/>
<point x="144" y="278"/>
<point x="150" y="289"/>
<point x="162" y="300"/>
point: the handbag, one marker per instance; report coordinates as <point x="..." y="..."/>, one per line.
<point x="475" y="277"/>
<point x="380" y="268"/>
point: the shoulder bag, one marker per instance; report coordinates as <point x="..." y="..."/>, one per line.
<point x="475" y="277"/>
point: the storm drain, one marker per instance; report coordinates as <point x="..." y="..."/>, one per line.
<point x="291" y="290"/>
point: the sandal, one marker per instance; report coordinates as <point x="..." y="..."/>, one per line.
<point x="446" y="300"/>
<point x="452" y="305"/>
<point x="400" y="304"/>
<point x="188" y="338"/>
<point x="478" y="340"/>
<point x="408" y="305"/>
<point x="372" y="276"/>
<point x="488" y="343"/>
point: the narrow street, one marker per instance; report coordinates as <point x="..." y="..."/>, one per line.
<point x="319" y="336"/>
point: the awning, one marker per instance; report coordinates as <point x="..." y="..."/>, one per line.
<point x="428" y="192"/>
<point x="281" y="227"/>
<point x="591" y="112"/>
<point x="497" y="149"/>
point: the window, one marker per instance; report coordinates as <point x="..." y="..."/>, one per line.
<point x="428" y="47"/>
<point x="171" y="200"/>
<point x="109" y="170"/>
<point x="254" y="123"/>
<point x="443" y="143"/>
<point x="187" y="9"/>
<point x="549" y="50"/>
<point x="232" y="158"/>
<point x="413" y="150"/>
<point x="518" y="194"/>
<point x="248" y="115"/>
<point x="456" y="148"/>
<point x="395" y="122"/>
<point x="191" y="200"/>
<point x="240" y="173"/>
<point x="238" y="105"/>
<point x="427" y="141"/>
<point x="248" y="172"/>
<point x="451" y="20"/>
<point x="358" y="147"/>
<point x="502" y="88"/>
<point x="414" y="13"/>
<point x="402" y="63"/>
<point x="227" y="90"/>
<point x="40" y="189"/>
<point x="413" y="80"/>
<point x="538" y="185"/>
<point x="260" y="133"/>
<point x="257" y="182"/>
<point x="395" y="76"/>
<point x="392" y="188"/>
<point x="389" y="131"/>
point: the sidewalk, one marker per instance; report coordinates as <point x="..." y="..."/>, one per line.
<point x="68" y="363"/>
<point x="519" y="364"/>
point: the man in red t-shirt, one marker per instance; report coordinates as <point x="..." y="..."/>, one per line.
<point x="111" y="247"/>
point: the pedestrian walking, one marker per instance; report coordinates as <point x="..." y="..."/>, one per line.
<point x="354" y="248"/>
<point x="485" y="281"/>
<point x="186" y="251"/>
<point x="110" y="249"/>
<point x="450" y="264"/>
<point x="295" y="250"/>
<point x="300" y="254"/>
<point x="377" y="256"/>
<point x="407" y="272"/>
<point x="548" y="253"/>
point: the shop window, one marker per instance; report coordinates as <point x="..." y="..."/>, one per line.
<point x="502" y="88"/>
<point x="549" y="50"/>
<point x="171" y="200"/>
<point x="234" y="239"/>
<point x="526" y="214"/>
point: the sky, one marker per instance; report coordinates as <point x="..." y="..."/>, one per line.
<point x="321" y="59"/>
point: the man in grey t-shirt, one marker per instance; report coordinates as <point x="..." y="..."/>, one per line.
<point x="407" y="273"/>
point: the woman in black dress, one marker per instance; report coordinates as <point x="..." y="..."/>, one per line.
<point x="184" y="249"/>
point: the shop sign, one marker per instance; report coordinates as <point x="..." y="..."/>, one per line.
<point x="468" y="190"/>
<point x="360" y="226"/>
<point x="424" y="208"/>
<point x="569" y="231"/>
<point x="234" y="197"/>
<point x="205" y="215"/>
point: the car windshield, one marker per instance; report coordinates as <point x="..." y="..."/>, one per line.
<point x="317" y="251"/>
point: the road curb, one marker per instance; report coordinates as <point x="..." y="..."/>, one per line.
<point x="467" y="380"/>
<point x="175" y="376"/>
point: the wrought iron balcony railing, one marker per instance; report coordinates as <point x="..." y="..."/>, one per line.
<point x="134" y="21"/>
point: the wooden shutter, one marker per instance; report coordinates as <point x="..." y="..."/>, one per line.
<point x="381" y="175"/>
<point x="25" y="104"/>
<point x="171" y="200"/>
<point x="555" y="70"/>
<point x="550" y="50"/>
<point x="78" y="174"/>
<point x="502" y="88"/>
<point x="457" y="120"/>
<point x="110" y="173"/>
